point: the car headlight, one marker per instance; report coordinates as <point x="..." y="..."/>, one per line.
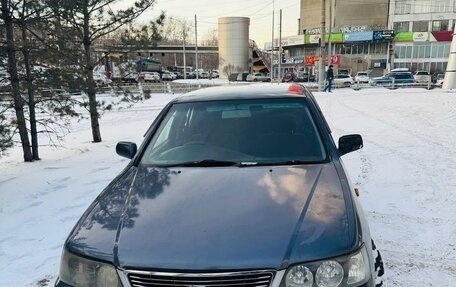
<point x="299" y="276"/>
<point x="344" y="271"/>
<point x="82" y="272"/>
<point x="329" y="274"/>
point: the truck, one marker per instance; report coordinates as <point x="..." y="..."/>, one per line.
<point x="149" y="65"/>
<point x="117" y="71"/>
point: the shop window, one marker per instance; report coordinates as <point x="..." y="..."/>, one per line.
<point x="440" y="51"/>
<point x="440" y="25"/>
<point x="446" y="49"/>
<point x="401" y="27"/>
<point x="434" y="51"/>
<point x="403" y="52"/>
<point x="420" y="26"/>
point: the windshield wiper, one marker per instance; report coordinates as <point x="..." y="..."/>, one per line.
<point x="203" y="163"/>
<point x="287" y="162"/>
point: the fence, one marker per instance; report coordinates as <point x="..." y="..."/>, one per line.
<point x="181" y="88"/>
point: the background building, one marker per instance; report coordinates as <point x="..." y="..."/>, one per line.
<point x="423" y="33"/>
<point x="376" y="35"/>
<point x="357" y="36"/>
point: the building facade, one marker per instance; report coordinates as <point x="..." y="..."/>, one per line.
<point x="423" y="33"/>
<point x="374" y="35"/>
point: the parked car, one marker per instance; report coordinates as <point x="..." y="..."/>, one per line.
<point x="305" y="77"/>
<point x="203" y="75"/>
<point x="362" y="77"/>
<point x="233" y="186"/>
<point x="258" y="77"/>
<point x="422" y="77"/>
<point x="178" y="74"/>
<point x="101" y="79"/>
<point x="344" y="71"/>
<point x="215" y="74"/>
<point x="343" y="80"/>
<point x="150" y="77"/>
<point x="439" y="80"/>
<point x="131" y="77"/>
<point x="399" y="78"/>
<point x="242" y="77"/>
<point x="288" y="77"/>
<point x="168" y="76"/>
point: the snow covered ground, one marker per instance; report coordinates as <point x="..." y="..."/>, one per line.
<point x="406" y="173"/>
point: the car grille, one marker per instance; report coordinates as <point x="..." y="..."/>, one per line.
<point x="261" y="278"/>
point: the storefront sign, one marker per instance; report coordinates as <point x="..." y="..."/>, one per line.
<point x="335" y="38"/>
<point x="358" y="37"/>
<point x="293" y="40"/>
<point x="314" y="39"/>
<point x="309" y="60"/>
<point x="420" y="36"/>
<point x="354" y="29"/>
<point x="442" y="36"/>
<point x="383" y="35"/>
<point x="403" y="37"/>
<point x="335" y="59"/>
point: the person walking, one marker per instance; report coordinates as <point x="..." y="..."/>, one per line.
<point x="329" y="78"/>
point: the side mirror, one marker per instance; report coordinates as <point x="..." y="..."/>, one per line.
<point x="126" y="149"/>
<point x="350" y="143"/>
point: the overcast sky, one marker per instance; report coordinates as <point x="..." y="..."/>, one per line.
<point x="208" y="12"/>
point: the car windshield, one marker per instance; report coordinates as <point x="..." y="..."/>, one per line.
<point x="236" y="132"/>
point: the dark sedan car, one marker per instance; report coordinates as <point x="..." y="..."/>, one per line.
<point x="304" y="77"/>
<point x="232" y="186"/>
<point x="288" y="77"/>
<point x="398" y="78"/>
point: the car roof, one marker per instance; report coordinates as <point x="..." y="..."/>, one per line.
<point x="250" y="91"/>
<point x="400" y="70"/>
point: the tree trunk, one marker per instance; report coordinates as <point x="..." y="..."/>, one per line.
<point x="18" y="101"/>
<point x="90" y="82"/>
<point x="31" y="96"/>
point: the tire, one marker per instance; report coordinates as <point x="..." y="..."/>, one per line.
<point x="379" y="268"/>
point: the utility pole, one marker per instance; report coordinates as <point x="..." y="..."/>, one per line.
<point x="321" y="63"/>
<point x="196" y="49"/>
<point x="183" y="44"/>
<point x="280" y="45"/>
<point x="272" y="48"/>
<point x="330" y="52"/>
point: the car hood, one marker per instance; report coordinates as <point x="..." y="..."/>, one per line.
<point x="218" y="218"/>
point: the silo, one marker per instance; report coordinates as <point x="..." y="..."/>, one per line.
<point x="233" y="41"/>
